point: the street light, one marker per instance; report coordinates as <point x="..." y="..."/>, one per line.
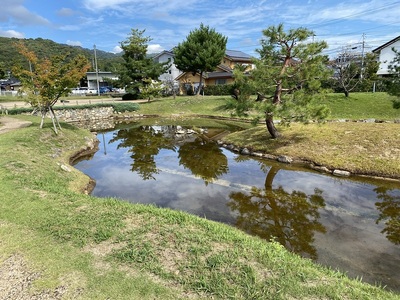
<point x="97" y="71"/>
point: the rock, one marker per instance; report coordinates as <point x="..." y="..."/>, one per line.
<point x="321" y="169"/>
<point x="245" y="151"/>
<point x="65" y="168"/>
<point x="285" y="159"/>
<point x="341" y="173"/>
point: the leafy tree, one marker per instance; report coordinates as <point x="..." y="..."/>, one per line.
<point x="2" y="72"/>
<point x="201" y="52"/>
<point x="394" y="81"/>
<point x="48" y="79"/>
<point x="288" y="77"/>
<point x="138" y="68"/>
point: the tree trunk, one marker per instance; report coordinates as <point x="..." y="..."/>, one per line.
<point x="201" y="80"/>
<point x="346" y="93"/>
<point x="269" y="121"/>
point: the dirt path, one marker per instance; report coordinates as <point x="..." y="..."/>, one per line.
<point x="9" y="123"/>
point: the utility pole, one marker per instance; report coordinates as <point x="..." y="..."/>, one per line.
<point x="97" y="70"/>
<point x="362" y="56"/>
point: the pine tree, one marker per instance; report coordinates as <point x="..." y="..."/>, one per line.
<point x="138" y="67"/>
<point x="288" y="74"/>
<point x="201" y="52"/>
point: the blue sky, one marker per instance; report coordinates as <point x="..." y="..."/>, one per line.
<point x="105" y="23"/>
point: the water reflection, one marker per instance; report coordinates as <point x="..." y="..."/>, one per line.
<point x="389" y="210"/>
<point x="291" y="218"/>
<point x="204" y="159"/>
<point x="144" y="143"/>
<point x="351" y="224"/>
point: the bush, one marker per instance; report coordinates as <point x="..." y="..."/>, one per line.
<point x="130" y="96"/>
<point x="118" y="107"/>
<point x="218" y="90"/>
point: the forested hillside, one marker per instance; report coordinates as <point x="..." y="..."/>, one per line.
<point x="9" y="56"/>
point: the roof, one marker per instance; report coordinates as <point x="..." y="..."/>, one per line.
<point x="235" y="54"/>
<point x="163" y="52"/>
<point x="387" y="44"/>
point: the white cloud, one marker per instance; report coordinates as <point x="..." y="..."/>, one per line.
<point x="11" y="34"/>
<point x="74" y="43"/>
<point x="117" y="49"/>
<point x="155" y="48"/>
<point x="15" y="11"/>
<point x="70" y="28"/>
<point x="66" y="12"/>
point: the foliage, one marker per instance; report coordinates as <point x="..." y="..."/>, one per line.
<point x="49" y="79"/>
<point x="43" y="48"/>
<point x="151" y="88"/>
<point x="394" y="81"/>
<point x="138" y="68"/>
<point x="354" y="72"/>
<point x="218" y="90"/>
<point x="288" y="77"/>
<point x="118" y="107"/>
<point x="201" y="52"/>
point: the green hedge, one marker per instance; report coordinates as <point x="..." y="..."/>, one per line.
<point x="118" y="107"/>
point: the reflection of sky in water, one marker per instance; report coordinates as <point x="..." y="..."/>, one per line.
<point x="349" y="215"/>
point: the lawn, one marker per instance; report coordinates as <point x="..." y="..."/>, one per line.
<point x="61" y="242"/>
<point x="58" y="242"/>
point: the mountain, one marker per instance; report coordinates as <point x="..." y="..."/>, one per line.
<point x="106" y="61"/>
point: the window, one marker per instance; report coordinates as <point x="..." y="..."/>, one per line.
<point x="220" y="81"/>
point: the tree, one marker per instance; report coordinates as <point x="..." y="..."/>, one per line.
<point x="201" y="52"/>
<point x="394" y="81"/>
<point x="48" y="79"/>
<point x="138" y="68"/>
<point x="288" y="76"/>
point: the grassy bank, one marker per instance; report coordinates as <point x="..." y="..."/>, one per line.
<point x="359" y="106"/>
<point x="64" y="243"/>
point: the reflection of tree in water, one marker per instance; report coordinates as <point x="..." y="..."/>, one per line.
<point x="289" y="218"/>
<point x="204" y="159"/>
<point x="390" y="212"/>
<point x="144" y="142"/>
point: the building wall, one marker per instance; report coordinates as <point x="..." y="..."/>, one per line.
<point x="386" y="56"/>
<point x="172" y="71"/>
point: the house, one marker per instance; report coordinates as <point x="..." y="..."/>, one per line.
<point x="101" y="77"/>
<point x="172" y="72"/>
<point x="9" y="86"/>
<point x="223" y="74"/>
<point x="386" y="55"/>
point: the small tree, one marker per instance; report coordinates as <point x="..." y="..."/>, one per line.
<point x="394" y="81"/>
<point x="288" y="76"/>
<point x="201" y="52"/>
<point x="49" y="79"/>
<point x="138" y="66"/>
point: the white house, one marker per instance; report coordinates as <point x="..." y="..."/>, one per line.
<point x="172" y="72"/>
<point x="102" y="76"/>
<point x="386" y="55"/>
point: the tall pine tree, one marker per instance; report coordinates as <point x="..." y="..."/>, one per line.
<point x="138" y="68"/>
<point x="201" y="52"/>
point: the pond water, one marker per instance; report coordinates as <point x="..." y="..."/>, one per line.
<point x="349" y="224"/>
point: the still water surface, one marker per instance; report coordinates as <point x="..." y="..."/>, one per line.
<point x="347" y="224"/>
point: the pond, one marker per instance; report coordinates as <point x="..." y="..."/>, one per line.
<point x="348" y="224"/>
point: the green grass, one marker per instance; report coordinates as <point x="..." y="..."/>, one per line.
<point x="358" y="106"/>
<point x="110" y="249"/>
<point x="361" y="106"/>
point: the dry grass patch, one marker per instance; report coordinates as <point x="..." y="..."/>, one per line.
<point x="361" y="148"/>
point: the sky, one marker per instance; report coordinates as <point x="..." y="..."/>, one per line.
<point x="106" y="23"/>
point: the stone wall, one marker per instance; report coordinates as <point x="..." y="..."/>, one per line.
<point x="85" y="115"/>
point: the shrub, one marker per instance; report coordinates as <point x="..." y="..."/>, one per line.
<point x="130" y="96"/>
